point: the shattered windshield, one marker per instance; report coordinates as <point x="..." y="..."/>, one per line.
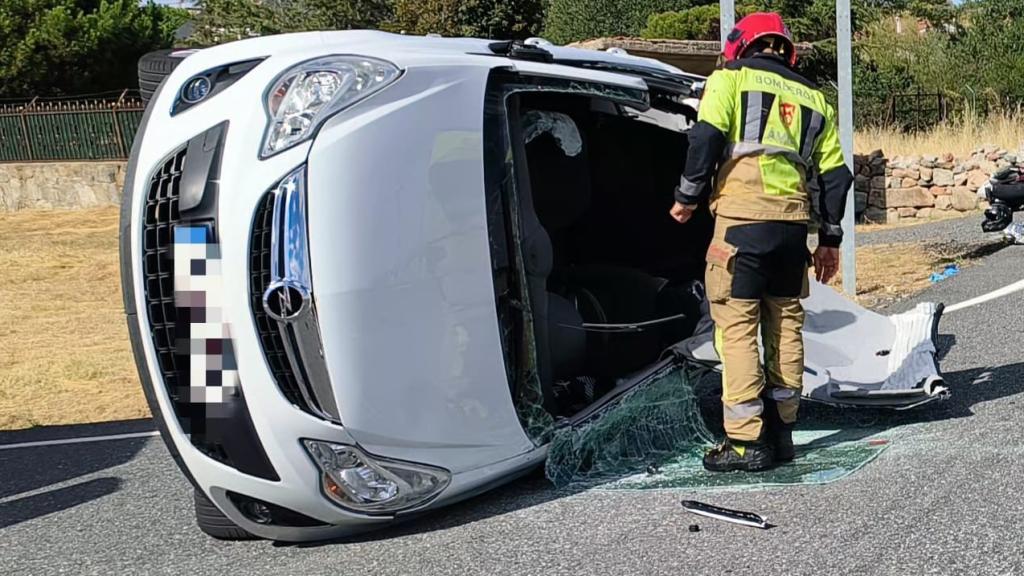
<point x="653" y="423"/>
<point x="559" y="125"/>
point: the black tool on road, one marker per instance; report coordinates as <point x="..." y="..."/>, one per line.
<point x="726" y="515"/>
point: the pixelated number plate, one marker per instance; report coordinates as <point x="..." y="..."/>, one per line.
<point x="203" y="337"/>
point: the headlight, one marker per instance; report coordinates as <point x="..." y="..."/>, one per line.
<point x="305" y="95"/>
<point x="357" y="481"/>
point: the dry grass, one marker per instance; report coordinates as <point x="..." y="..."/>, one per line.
<point x="936" y="216"/>
<point x="64" y="351"/>
<point x="960" y="136"/>
<point x="889" y="272"/>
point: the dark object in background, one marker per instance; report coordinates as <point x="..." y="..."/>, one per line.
<point x="694" y="528"/>
<point x="997" y="217"/>
<point x="155" y="66"/>
<point x="1005" y="192"/>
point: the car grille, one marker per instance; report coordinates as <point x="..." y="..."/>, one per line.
<point x="271" y="338"/>
<point x="160" y="217"/>
<point x="222" y="430"/>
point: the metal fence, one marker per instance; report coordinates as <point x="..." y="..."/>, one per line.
<point x="41" y="130"/>
<point x="917" y="111"/>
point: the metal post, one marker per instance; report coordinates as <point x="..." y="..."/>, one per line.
<point x="122" y="148"/>
<point x="726" y="18"/>
<point x="25" y="131"/>
<point x="845" y="73"/>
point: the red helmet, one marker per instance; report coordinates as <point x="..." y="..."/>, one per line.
<point x="755" y="26"/>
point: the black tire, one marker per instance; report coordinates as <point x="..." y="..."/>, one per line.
<point x="214" y="523"/>
<point x="154" y="67"/>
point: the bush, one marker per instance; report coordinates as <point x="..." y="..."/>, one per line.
<point x="347" y="15"/>
<point x="221" y="21"/>
<point x="986" y="54"/>
<point x="61" y="47"/>
<point x="225" y="20"/>
<point x="476" y="18"/>
<point x="573" y="20"/>
<point x="697" y="23"/>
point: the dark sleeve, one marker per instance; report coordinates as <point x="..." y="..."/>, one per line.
<point x="706" y="145"/>
<point x="835" y="186"/>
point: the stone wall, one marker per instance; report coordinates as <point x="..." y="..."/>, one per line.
<point x="869" y="180"/>
<point x="886" y="189"/>
<point x="60" y="185"/>
<point x="929" y="186"/>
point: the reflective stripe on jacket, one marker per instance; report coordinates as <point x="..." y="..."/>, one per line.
<point x="766" y="129"/>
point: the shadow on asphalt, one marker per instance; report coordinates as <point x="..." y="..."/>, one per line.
<point x="30" y="507"/>
<point x="29" y="469"/>
<point x="33" y="468"/>
<point x="969" y="388"/>
<point x="943" y="344"/>
<point x="527" y="492"/>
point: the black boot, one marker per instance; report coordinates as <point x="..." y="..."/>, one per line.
<point x="734" y="455"/>
<point x="778" y="433"/>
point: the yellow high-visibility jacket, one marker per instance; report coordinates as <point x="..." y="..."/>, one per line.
<point x="766" y="130"/>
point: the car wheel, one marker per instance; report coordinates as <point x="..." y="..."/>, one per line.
<point x="155" y="66"/>
<point x="214" y="523"/>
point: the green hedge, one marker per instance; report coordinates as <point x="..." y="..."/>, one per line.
<point x="697" y="23"/>
<point x="573" y="20"/>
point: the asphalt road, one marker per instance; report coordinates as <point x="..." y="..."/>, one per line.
<point x="944" y="499"/>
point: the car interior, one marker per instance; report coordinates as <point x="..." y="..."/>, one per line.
<point x="613" y="280"/>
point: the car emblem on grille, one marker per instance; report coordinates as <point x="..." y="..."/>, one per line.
<point x="285" y="302"/>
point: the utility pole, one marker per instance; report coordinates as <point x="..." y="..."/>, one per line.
<point x="726" y="18"/>
<point x="845" y="73"/>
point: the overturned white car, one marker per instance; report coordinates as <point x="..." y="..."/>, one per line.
<point x="367" y="275"/>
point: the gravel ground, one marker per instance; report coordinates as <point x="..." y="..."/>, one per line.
<point x="966" y="230"/>
<point x="944" y="499"/>
<point x="955" y="234"/>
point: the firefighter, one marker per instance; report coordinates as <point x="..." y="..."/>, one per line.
<point x="762" y="132"/>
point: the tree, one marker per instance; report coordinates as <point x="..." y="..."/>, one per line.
<point x="476" y="18"/>
<point x="61" y="47"/>
<point x="573" y="20"/>
<point x="350" y="14"/>
<point x="221" y="21"/>
<point x="226" y="20"/>
<point x="697" y="23"/>
<point x="986" y="53"/>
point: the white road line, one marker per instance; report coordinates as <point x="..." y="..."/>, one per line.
<point x="1015" y="287"/>
<point x="78" y="440"/>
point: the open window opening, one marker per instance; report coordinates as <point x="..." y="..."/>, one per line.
<point x="607" y="280"/>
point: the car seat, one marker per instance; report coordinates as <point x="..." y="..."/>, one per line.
<point x="559" y="338"/>
<point x="574" y="305"/>
<point x="582" y="298"/>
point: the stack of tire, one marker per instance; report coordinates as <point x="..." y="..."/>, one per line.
<point x="155" y="66"/>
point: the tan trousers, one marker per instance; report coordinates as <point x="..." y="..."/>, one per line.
<point x="760" y="301"/>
